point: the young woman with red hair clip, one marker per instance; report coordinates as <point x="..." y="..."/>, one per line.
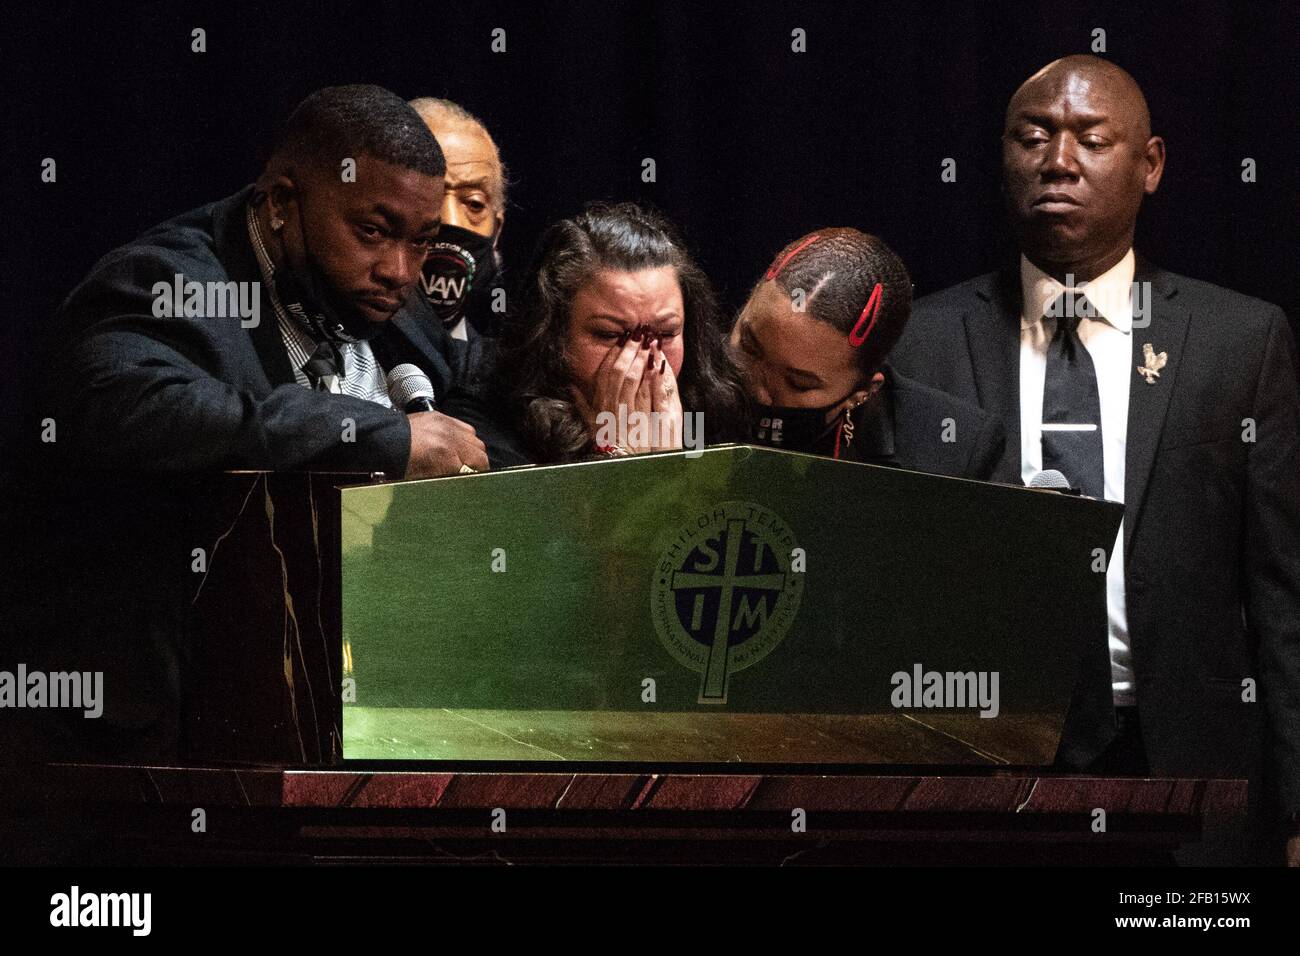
<point x="812" y="342"/>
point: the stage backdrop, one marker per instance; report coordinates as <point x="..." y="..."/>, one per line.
<point x="753" y="143"/>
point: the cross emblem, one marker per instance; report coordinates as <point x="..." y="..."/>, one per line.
<point x="727" y="579"/>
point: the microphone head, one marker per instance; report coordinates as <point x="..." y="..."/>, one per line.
<point x="1051" y="478"/>
<point x="406" y="384"/>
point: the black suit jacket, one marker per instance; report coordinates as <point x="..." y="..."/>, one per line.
<point x="105" y="580"/>
<point x="467" y="355"/>
<point x="131" y="391"/>
<point x="1212" y="521"/>
<point x="913" y="426"/>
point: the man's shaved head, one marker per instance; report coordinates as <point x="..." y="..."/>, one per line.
<point x="1077" y="159"/>
<point x="1082" y="70"/>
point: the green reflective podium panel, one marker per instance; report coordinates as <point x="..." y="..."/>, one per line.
<point x="740" y="604"/>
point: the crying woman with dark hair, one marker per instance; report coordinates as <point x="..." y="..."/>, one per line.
<point x="616" y="349"/>
<point x="813" y="342"/>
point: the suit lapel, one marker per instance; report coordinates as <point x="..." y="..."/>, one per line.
<point x="230" y="229"/>
<point x="1148" y="403"/>
<point x="270" y="347"/>
<point x="412" y="336"/>
<point x="993" y="340"/>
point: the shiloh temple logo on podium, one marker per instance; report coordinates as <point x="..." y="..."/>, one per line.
<point x="725" y="592"/>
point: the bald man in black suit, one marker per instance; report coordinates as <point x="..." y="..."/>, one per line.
<point x="1174" y="396"/>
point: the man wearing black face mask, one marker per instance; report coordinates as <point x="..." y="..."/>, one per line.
<point x="154" y="370"/>
<point x="241" y="335"/>
<point x="462" y="276"/>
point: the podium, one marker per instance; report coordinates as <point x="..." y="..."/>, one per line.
<point x="738" y="605"/>
<point x="650" y="658"/>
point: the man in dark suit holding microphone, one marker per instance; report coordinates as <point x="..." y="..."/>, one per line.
<point x="264" y="331"/>
<point x="325" y="250"/>
<point x="1174" y="396"/>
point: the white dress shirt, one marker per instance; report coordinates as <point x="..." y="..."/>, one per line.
<point x="1108" y="340"/>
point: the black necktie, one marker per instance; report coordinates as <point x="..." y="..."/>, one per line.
<point x="325" y="361"/>
<point x="1070" y="398"/>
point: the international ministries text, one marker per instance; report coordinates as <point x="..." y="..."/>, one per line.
<point x="76" y="690"/>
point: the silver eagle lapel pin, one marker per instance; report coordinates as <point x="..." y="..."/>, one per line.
<point x="1153" y="362"/>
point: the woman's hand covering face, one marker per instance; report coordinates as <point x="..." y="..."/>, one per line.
<point x="625" y="352"/>
<point x="634" y="380"/>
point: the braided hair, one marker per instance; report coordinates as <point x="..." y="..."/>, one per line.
<point x="836" y="272"/>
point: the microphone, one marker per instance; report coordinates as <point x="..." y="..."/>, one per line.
<point x="1049" y="479"/>
<point x="1052" y="480"/>
<point x="410" y="389"/>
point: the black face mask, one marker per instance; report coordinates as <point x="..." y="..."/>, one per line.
<point x="306" y="295"/>
<point x="459" y="274"/>
<point x="793" y="429"/>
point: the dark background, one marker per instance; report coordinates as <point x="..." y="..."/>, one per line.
<point x="754" y="144"/>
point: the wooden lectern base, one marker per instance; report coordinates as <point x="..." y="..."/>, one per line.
<point x="77" y="814"/>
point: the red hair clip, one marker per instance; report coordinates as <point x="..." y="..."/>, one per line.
<point x="856" y="337"/>
<point x="777" y="266"/>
